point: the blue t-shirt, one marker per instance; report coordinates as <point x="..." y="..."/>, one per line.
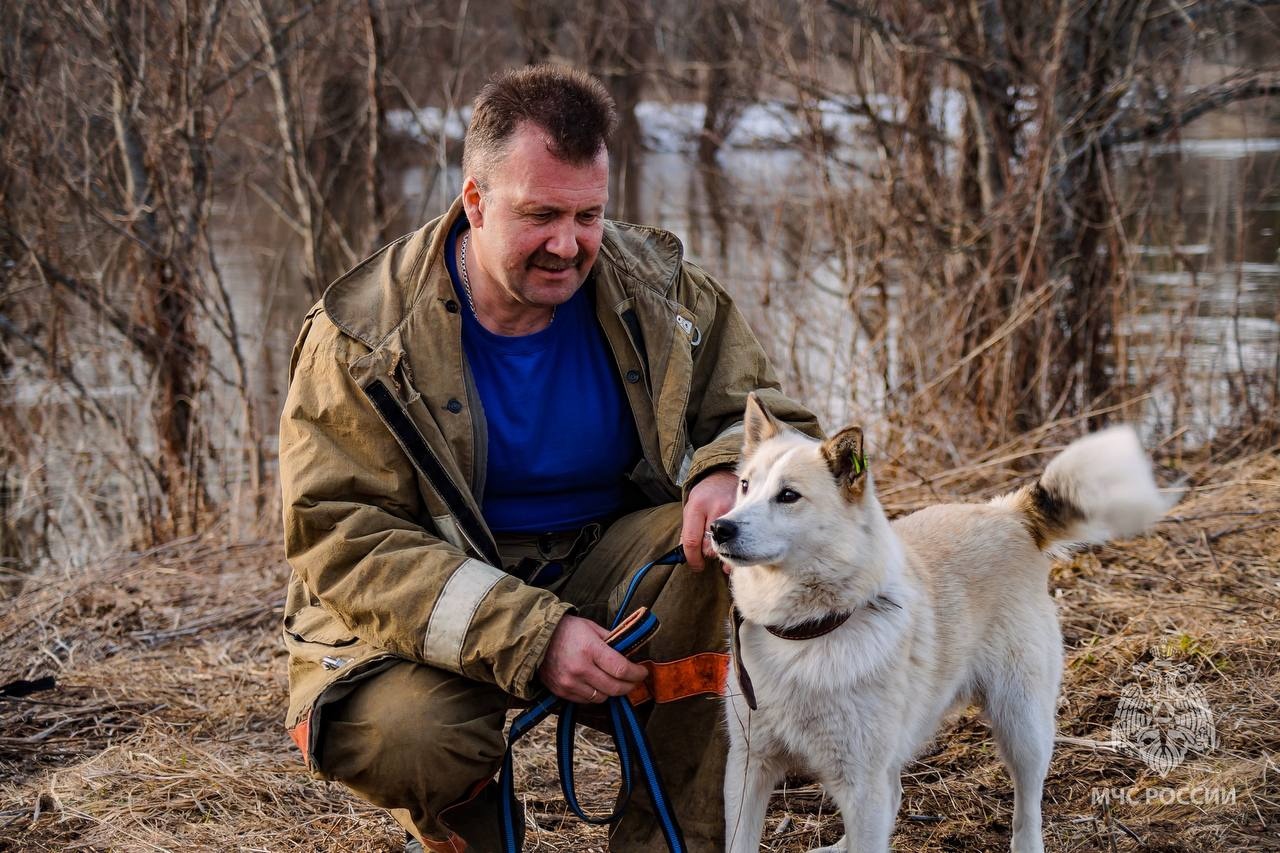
<point x="561" y="434"/>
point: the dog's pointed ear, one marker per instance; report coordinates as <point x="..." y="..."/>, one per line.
<point x="758" y="423"/>
<point x="846" y="459"/>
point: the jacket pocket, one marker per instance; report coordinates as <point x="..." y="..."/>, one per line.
<point x="325" y="662"/>
<point x="322" y="652"/>
<point x="313" y="626"/>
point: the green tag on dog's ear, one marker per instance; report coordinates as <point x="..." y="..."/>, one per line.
<point x="859" y="462"/>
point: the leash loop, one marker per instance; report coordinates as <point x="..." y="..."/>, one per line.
<point x="634" y="751"/>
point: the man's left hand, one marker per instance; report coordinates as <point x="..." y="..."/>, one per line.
<point x="711" y="498"/>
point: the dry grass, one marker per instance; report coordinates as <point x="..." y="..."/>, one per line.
<point x="163" y="731"/>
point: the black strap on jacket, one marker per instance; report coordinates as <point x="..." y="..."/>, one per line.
<point x="428" y="464"/>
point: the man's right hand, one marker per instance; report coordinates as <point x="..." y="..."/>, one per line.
<point x="581" y="667"/>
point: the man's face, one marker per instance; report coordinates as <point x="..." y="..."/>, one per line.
<point x="538" y="226"/>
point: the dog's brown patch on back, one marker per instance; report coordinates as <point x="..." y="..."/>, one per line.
<point x="1047" y="515"/>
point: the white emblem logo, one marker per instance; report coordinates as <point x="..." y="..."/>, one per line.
<point x="1163" y="716"/>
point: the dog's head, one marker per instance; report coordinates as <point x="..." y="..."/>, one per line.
<point x="801" y="503"/>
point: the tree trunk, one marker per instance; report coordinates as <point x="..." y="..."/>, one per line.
<point x="174" y="352"/>
<point x="621" y="42"/>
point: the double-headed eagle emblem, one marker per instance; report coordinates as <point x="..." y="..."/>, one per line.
<point x="1164" y="716"/>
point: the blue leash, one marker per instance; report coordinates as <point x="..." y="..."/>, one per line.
<point x="629" y="739"/>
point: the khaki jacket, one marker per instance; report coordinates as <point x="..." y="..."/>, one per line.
<point x="382" y="457"/>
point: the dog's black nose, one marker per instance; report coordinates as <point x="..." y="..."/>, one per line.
<point x="723" y="530"/>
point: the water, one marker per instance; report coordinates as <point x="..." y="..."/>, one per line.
<point x="1207" y="295"/>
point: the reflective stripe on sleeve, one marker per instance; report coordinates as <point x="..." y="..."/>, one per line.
<point x="454" y="610"/>
<point x="449" y="531"/>
<point x="685" y="464"/>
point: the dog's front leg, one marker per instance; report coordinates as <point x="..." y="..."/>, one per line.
<point x="867" y="807"/>
<point x="748" y="782"/>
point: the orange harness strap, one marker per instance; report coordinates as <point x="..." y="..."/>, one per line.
<point x="696" y="675"/>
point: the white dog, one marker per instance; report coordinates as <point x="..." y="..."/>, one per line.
<point x="857" y="636"/>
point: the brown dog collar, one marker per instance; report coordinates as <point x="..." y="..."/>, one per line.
<point x="810" y="630"/>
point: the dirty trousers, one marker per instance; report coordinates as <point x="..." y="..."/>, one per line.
<point x="426" y="743"/>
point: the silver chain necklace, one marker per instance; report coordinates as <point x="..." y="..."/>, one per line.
<point x="466" y="284"/>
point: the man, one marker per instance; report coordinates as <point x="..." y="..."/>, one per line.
<point x="491" y="424"/>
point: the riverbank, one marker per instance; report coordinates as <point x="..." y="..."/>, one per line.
<point x="155" y="688"/>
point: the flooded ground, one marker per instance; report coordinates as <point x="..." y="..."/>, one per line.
<point x="1209" y="293"/>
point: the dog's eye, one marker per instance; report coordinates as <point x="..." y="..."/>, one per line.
<point x="743" y="483"/>
<point x="787" y="496"/>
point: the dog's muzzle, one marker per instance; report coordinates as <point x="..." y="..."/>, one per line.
<point x="723" y="531"/>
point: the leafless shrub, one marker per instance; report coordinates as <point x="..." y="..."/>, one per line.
<point x="985" y="238"/>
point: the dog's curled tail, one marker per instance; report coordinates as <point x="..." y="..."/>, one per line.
<point x="1099" y="488"/>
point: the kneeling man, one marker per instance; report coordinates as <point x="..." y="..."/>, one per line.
<point x="491" y="424"/>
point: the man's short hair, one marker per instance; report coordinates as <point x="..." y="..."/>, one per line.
<point x="573" y="108"/>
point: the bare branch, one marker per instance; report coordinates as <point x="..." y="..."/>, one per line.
<point x="1214" y="98"/>
<point x="285" y="28"/>
<point x="136" y="334"/>
<point x="296" y="173"/>
<point x="67" y="373"/>
<point x="932" y="45"/>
